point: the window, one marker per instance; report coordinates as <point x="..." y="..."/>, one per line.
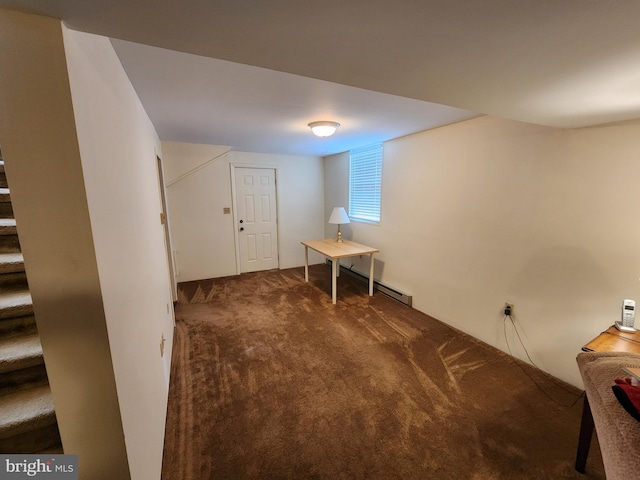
<point x="365" y="181"/>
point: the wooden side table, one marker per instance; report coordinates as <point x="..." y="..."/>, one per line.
<point x="613" y="340"/>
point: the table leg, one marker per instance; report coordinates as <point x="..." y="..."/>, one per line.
<point x="334" y="283"/>
<point x="337" y="260"/>
<point x="371" y="275"/>
<point x="306" y="263"/>
<point x="586" y="432"/>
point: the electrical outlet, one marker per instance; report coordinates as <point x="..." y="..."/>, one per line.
<point x="508" y="308"/>
<point x="162" y="340"/>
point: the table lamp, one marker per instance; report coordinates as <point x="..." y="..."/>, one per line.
<point x="338" y="217"/>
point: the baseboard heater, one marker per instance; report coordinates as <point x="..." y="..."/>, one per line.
<point x="377" y="286"/>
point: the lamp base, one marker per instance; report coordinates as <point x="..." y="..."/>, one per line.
<point x="339" y="239"/>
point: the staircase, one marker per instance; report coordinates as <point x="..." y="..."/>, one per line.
<point x="27" y="417"/>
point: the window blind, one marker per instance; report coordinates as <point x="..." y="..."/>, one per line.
<point x="365" y="183"/>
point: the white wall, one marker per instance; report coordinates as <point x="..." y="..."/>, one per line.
<point x="118" y="146"/>
<point x="42" y="158"/>
<point x="190" y="157"/>
<point x="80" y="157"/>
<point x="489" y="210"/>
<point x="203" y="236"/>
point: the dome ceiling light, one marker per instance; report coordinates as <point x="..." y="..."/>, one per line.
<point x="323" y="128"/>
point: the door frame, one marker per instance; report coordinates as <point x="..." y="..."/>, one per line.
<point x="168" y="244"/>
<point x="234" y="204"/>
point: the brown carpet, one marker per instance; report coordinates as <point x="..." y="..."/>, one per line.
<point x="272" y="381"/>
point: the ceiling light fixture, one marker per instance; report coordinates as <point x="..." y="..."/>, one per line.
<point x="323" y="128"/>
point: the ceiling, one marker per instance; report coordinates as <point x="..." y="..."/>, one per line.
<point x="251" y="74"/>
<point x="196" y="99"/>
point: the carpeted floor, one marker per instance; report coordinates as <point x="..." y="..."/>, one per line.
<point x="272" y="381"/>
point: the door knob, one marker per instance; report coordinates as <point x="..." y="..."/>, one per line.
<point x="241" y="221"/>
<point x="242" y="229"/>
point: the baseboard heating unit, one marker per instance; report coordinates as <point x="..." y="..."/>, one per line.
<point x="377" y="286"/>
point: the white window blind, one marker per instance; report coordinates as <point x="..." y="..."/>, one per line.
<point x="365" y="183"/>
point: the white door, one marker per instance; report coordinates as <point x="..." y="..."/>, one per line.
<point x="257" y="222"/>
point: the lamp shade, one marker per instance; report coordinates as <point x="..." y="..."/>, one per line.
<point x="323" y="128"/>
<point x="338" y="216"/>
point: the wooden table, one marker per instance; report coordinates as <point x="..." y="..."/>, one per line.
<point x="335" y="250"/>
<point x="611" y="340"/>
<point x="614" y="340"/>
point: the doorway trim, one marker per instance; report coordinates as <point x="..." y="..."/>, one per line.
<point x="164" y="219"/>
<point x="234" y="205"/>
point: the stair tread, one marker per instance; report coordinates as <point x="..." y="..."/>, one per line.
<point x="11" y="257"/>
<point x="11" y="262"/>
<point x="21" y="351"/>
<point x="15" y="303"/>
<point x="26" y="410"/>
<point x="14" y="298"/>
<point x="8" y="226"/>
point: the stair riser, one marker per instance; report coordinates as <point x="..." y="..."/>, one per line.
<point x="27" y="427"/>
<point x="3" y="180"/>
<point x="24" y="378"/>
<point x="8" y="230"/>
<point x="16" y="311"/>
<point x="6" y="210"/>
<point x="9" y="244"/>
<point x="18" y="326"/>
<point x="46" y="438"/>
<point x="7" y="369"/>
<point x="13" y="280"/>
<point x="13" y="264"/>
